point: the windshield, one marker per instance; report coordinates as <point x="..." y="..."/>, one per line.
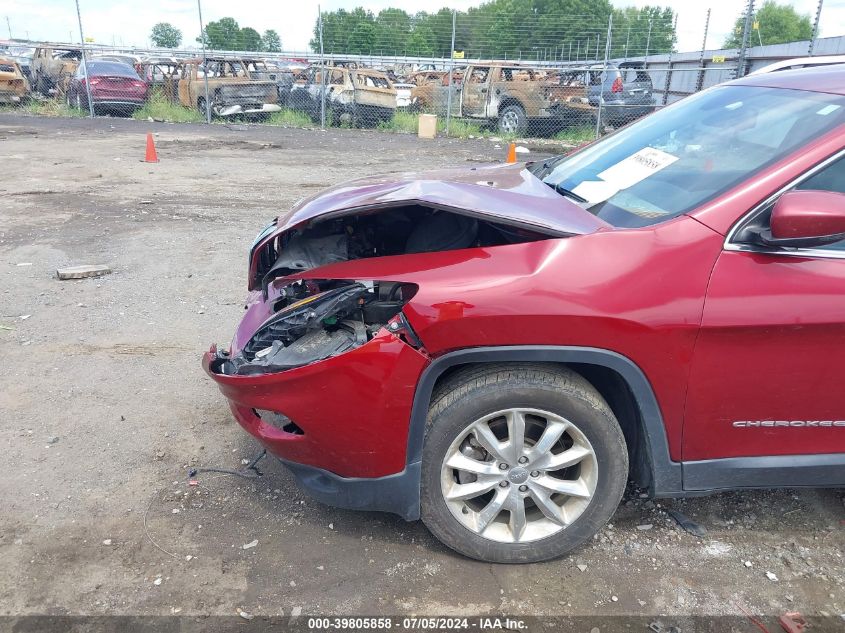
<point x="679" y="158"/>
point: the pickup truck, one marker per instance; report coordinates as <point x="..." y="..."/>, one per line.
<point x="510" y="96"/>
<point x="231" y="88"/>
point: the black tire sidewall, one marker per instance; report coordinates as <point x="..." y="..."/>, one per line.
<point x="601" y="430"/>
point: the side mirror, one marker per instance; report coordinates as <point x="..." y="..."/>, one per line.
<point x="806" y="219"/>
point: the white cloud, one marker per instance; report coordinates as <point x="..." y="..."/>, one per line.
<point x="128" y="22"/>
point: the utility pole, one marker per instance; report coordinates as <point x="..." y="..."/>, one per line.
<point x="84" y="61"/>
<point x="9" y="25"/>
<point x="204" y="65"/>
<point x="740" y="61"/>
<point x="812" y="38"/>
<point x="648" y="39"/>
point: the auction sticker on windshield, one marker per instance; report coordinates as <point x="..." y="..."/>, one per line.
<point x="637" y="167"/>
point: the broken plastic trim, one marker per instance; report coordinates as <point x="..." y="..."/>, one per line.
<point x="317" y="320"/>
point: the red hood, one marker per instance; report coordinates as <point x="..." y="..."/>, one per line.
<point x="508" y="193"/>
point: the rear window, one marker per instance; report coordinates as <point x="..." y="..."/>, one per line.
<point x="7" y="68"/>
<point x="111" y="68"/>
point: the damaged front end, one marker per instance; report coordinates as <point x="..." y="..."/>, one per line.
<point x="345" y="294"/>
<point x="315" y="320"/>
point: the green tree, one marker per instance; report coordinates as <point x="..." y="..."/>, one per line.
<point x="775" y="24"/>
<point x="644" y="31"/>
<point x="271" y="41"/>
<point x="393" y="30"/>
<point x="344" y="31"/>
<point x="509" y="29"/>
<point x="223" y="34"/>
<point x="165" y="35"/>
<point x="249" y="40"/>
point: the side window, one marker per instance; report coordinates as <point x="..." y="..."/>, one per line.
<point x="831" y="178"/>
<point x="479" y="75"/>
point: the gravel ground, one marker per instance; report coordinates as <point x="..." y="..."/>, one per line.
<point x="104" y="406"/>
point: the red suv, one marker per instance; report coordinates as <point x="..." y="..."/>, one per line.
<point x="497" y="350"/>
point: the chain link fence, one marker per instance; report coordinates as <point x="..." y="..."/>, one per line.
<point x="569" y="77"/>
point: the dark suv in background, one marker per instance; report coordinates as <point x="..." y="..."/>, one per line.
<point x="625" y="89"/>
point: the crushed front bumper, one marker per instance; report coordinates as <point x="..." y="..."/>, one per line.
<point x="229" y="110"/>
<point x="350" y="412"/>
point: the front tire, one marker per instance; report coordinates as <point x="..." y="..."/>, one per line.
<point x="513" y="120"/>
<point x="521" y="463"/>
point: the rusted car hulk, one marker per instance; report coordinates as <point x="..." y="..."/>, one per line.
<point x="425" y="83"/>
<point x="53" y="66"/>
<point x="510" y="96"/>
<point x="231" y="88"/>
<point x="14" y="88"/>
<point x="356" y="96"/>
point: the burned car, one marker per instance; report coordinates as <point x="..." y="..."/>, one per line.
<point x="353" y="96"/>
<point x="510" y="96"/>
<point x="53" y="66"/>
<point x="269" y="71"/>
<point x="14" y="88"/>
<point x="231" y="89"/>
<point x="498" y="349"/>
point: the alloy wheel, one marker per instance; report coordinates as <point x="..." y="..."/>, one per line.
<point x="519" y="475"/>
<point x="510" y="122"/>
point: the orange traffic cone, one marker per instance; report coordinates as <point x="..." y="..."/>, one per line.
<point x="151" y="156"/>
<point x="512" y="153"/>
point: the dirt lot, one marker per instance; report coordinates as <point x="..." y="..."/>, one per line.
<point x="104" y="406"/>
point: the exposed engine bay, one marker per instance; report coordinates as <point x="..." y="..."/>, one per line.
<point x="376" y="233"/>
<point x="315" y="320"/>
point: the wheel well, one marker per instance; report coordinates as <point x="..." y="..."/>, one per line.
<point x="618" y="395"/>
<point x="509" y="101"/>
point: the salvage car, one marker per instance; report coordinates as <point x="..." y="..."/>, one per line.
<point x="53" y="66"/>
<point x="361" y="97"/>
<point x="231" y="89"/>
<point x="510" y="96"/>
<point x="425" y="82"/>
<point x="269" y="71"/>
<point x="498" y="349"/>
<point x="14" y="88"/>
<point x="624" y="90"/>
<point x="114" y="87"/>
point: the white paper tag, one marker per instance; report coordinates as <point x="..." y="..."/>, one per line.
<point x="638" y="166"/>
<point x="595" y="191"/>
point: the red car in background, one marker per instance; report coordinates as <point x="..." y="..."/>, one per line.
<point x="497" y="350"/>
<point x="115" y="87"/>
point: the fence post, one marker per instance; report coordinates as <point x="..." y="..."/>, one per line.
<point x="323" y="82"/>
<point x="84" y="62"/>
<point x="815" y="30"/>
<point x="204" y="65"/>
<point x="604" y="74"/>
<point x="740" y="61"/>
<point x="451" y="72"/>
<point x="667" y="84"/>
<point x="699" y="81"/>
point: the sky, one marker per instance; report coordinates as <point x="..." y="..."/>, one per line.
<point x="128" y="22"/>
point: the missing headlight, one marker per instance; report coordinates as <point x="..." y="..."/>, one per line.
<point x="316" y="320"/>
